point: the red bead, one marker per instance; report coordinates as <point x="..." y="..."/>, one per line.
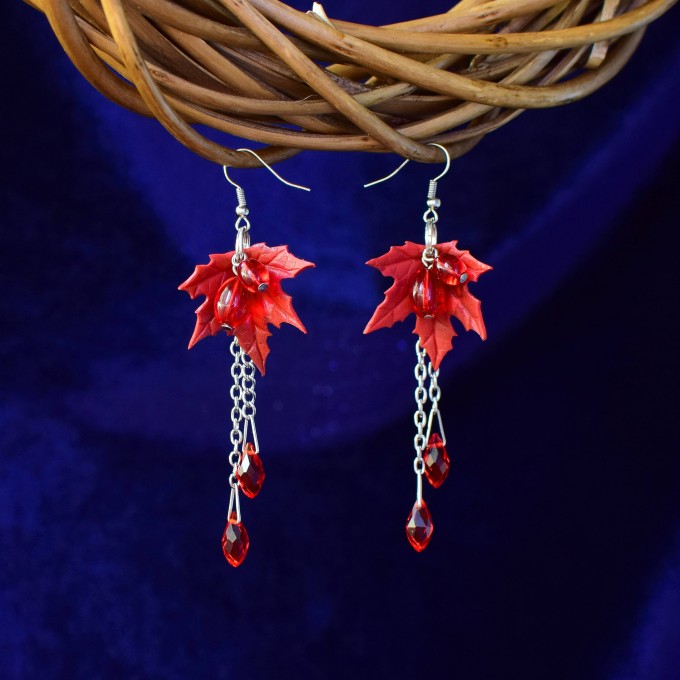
<point x="231" y="304"/>
<point x="436" y="461"/>
<point x="253" y="275"/>
<point x="419" y="527"/>
<point x="426" y="295"/>
<point x="235" y="542"/>
<point x="450" y="270"/>
<point x="250" y="472"/>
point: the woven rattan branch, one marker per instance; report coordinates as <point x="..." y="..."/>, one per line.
<point x="257" y="69"/>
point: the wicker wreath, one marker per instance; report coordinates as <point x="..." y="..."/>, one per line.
<point x="257" y="69"/>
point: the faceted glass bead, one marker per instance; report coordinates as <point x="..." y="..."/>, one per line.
<point x="250" y="471"/>
<point x="427" y="296"/>
<point x="253" y="275"/>
<point x="437" y="462"/>
<point x="235" y="542"/>
<point x="419" y="527"/>
<point x="450" y="270"/>
<point x="231" y="303"/>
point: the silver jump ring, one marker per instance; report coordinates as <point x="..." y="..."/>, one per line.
<point x="431" y="234"/>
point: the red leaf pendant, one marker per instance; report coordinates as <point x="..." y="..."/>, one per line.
<point x="434" y="294"/>
<point x="245" y="302"/>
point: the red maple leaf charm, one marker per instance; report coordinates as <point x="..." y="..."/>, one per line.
<point x="245" y="302"/>
<point x="434" y="294"/>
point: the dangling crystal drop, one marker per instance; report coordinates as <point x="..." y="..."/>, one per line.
<point x="253" y="275"/>
<point x="426" y="295"/>
<point x="437" y="462"/>
<point x="250" y="472"/>
<point x="450" y="270"/>
<point x="230" y="303"/>
<point x="235" y="541"/>
<point x="419" y="527"/>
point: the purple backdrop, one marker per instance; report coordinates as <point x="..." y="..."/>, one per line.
<point x="556" y="549"/>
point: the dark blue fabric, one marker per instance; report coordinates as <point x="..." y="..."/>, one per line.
<point x="556" y="552"/>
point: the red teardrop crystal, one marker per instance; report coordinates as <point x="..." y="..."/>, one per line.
<point x="436" y="461"/>
<point x="450" y="270"/>
<point x="426" y="295"/>
<point x="250" y="472"/>
<point x="419" y="527"/>
<point x="235" y="542"/>
<point x="231" y="303"/>
<point x="253" y="275"/>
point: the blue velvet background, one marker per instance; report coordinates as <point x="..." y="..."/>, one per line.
<point x="556" y="552"/>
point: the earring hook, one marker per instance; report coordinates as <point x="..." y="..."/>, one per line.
<point x="242" y="225"/>
<point x="408" y="160"/>
<point x="225" y="168"/>
<point x="448" y="161"/>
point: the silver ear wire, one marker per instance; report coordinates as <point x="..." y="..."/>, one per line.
<point x="242" y="223"/>
<point x="266" y="165"/>
<point x="390" y="176"/>
<point x="430" y="216"/>
<point x="448" y="161"/>
<point x="435" y="180"/>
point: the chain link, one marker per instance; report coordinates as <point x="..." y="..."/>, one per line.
<point x="434" y="391"/>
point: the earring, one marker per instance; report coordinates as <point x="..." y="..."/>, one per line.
<point x="243" y="295"/>
<point x="431" y="281"/>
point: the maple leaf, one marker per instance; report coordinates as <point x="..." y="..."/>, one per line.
<point x="270" y="306"/>
<point x="404" y="264"/>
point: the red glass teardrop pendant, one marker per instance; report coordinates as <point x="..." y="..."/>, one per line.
<point x="253" y="275"/>
<point x="426" y="295"/>
<point x="235" y="542"/>
<point x="230" y="303"/>
<point x="250" y="472"/>
<point x="437" y="462"/>
<point x="450" y="270"/>
<point x="419" y="527"/>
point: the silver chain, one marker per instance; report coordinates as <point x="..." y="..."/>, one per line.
<point x="236" y="436"/>
<point x="248" y="409"/>
<point x="420" y="420"/>
<point x="236" y="394"/>
<point x="242" y="393"/>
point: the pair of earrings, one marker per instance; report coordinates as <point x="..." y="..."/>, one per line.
<point x="244" y="296"/>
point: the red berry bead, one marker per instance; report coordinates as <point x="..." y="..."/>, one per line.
<point x="426" y="295"/>
<point x="231" y="303"/>
<point x="254" y="275"/>
<point x="450" y="270"/>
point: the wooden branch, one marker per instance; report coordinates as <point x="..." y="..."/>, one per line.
<point x="258" y="69"/>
